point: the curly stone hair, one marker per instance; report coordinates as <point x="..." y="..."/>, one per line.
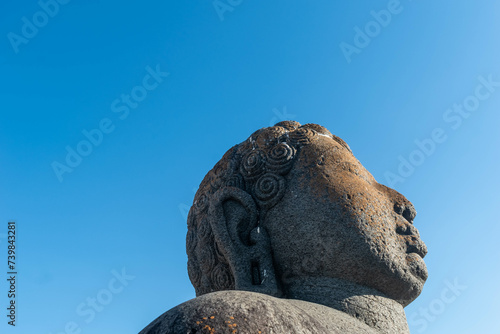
<point x="258" y="166"/>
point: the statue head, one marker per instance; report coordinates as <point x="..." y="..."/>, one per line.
<point x="292" y="202"/>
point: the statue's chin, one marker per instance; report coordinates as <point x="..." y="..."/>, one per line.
<point x="414" y="284"/>
<point x="404" y="281"/>
<point x="411" y="294"/>
<point x="417" y="266"/>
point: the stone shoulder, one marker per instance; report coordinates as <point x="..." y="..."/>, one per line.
<point x="250" y="312"/>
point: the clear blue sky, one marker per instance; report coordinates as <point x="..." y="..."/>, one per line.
<point x="88" y="66"/>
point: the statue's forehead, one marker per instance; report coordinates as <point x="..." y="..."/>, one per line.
<point x="327" y="148"/>
<point x="327" y="155"/>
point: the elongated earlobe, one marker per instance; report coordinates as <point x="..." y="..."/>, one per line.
<point x="245" y="245"/>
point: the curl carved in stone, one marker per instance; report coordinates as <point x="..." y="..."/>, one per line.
<point x="201" y="203"/>
<point x="302" y="136"/>
<point x="204" y="231"/>
<point x="288" y="125"/>
<point x="280" y="158"/>
<point x="269" y="189"/>
<point x="252" y="164"/>
<point x="236" y="180"/>
<point x="221" y="277"/>
<point x="209" y="259"/>
<point x="270" y="137"/>
<point x="319" y="129"/>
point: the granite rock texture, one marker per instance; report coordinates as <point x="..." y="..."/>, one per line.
<point x="290" y="214"/>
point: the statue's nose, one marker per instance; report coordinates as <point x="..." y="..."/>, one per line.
<point x="406" y="228"/>
<point x="407" y="210"/>
<point x="409" y="232"/>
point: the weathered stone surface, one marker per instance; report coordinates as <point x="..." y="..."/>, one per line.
<point x="250" y="312"/>
<point x="291" y="213"/>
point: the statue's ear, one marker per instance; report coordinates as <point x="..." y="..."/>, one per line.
<point x="246" y="245"/>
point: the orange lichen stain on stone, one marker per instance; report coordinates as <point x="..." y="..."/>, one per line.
<point x="231" y="325"/>
<point x="207" y="328"/>
<point x="210" y="329"/>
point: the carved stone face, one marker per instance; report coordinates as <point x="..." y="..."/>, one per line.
<point x="335" y="220"/>
<point x="292" y="203"/>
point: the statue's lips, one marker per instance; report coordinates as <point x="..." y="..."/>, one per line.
<point x="421" y="254"/>
<point x="418" y="248"/>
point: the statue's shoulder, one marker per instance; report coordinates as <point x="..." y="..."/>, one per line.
<point x="250" y="312"/>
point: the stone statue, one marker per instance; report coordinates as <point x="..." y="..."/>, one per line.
<point x="289" y="233"/>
